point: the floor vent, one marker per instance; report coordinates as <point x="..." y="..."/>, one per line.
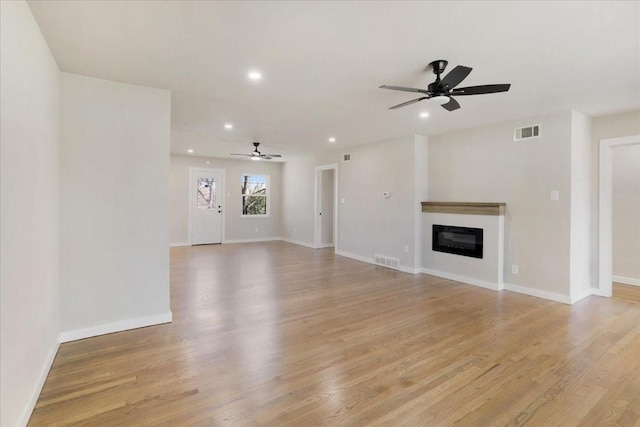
<point x="526" y="132"/>
<point x="386" y="261"/>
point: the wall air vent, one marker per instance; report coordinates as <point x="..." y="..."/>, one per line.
<point x="346" y="157"/>
<point x="526" y="132"/>
<point x="385" y="261"/>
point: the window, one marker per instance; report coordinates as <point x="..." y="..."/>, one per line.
<point x="255" y="195"/>
<point x="206" y="197"/>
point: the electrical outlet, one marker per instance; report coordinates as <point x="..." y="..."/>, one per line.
<point x="294" y="229"/>
<point x="342" y="200"/>
<point x="341" y="236"/>
<point x="406" y="249"/>
<point x="515" y="269"/>
<point x="257" y="230"/>
<point x="555" y="195"/>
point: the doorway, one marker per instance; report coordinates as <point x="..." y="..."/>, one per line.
<point x="206" y="206"/>
<point x="605" y="211"/>
<point x="326" y="206"/>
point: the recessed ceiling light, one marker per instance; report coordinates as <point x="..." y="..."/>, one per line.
<point x="424" y="115"/>
<point x="228" y="126"/>
<point x="255" y="75"/>
<point x="190" y="150"/>
<point x="332" y="140"/>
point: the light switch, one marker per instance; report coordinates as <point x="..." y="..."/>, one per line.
<point x="555" y="195"/>
<point x="342" y="200"/>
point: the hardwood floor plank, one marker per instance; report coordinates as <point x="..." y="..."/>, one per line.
<point x="280" y="335"/>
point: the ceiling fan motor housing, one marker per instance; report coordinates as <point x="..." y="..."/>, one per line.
<point x="438" y="66"/>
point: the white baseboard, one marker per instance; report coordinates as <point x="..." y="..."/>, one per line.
<point x="626" y="280"/>
<point x="44" y="372"/>
<point x="464" y="279"/>
<point x="565" y="299"/>
<point x="325" y="245"/>
<point x="299" y="243"/>
<point x="177" y="244"/>
<point x="368" y="260"/>
<point x="120" y="326"/>
<point x="354" y="256"/>
<point x="252" y="240"/>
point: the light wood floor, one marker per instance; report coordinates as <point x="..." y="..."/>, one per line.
<point x="280" y="335"/>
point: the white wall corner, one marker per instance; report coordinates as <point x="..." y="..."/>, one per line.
<point x="37" y="389"/>
<point x="123" y="325"/>
<point x="300" y="243"/>
<point x="578" y="296"/>
<point x="421" y="193"/>
<point x="552" y="296"/>
<point x="410" y="270"/>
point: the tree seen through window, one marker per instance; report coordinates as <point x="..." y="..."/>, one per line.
<point x="254" y="195"/>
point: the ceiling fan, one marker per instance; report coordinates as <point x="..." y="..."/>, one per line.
<point x="257" y="155"/>
<point x="442" y="91"/>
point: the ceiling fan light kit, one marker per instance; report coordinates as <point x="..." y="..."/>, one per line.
<point x="441" y="91"/>
<point x="439" y="100"/>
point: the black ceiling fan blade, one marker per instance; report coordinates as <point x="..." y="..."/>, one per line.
<point x="456" y="76"/>
<point x="272" y="155"/>
<point x="413" y="101"/>
<point x="264" y="156"/>
<point x="244" y="155"/>
<point x="451" y="105"/>
<point x="405" y="89"/>
<point x="480" y="90"/>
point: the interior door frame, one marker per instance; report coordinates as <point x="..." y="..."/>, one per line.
<point x="223" y="193"/>
<point x="605" y="211"/>
<point x="317" y="235"/>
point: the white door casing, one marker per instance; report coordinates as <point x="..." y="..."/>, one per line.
<point x="605" y="207"/>
<point x="318" y="226"/>
<point x="206" y="206"/>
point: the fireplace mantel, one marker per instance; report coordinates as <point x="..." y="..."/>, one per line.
<point x="471" y="208"/>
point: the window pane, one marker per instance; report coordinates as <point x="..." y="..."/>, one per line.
<point x="254" y="185"/>
<point x="206" y="197"/>
<point x="254" y="194"/>
<point x="254" y="205"/>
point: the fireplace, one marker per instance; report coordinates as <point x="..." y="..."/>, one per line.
<point x="457" y="240"/>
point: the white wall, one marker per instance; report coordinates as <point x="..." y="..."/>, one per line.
<point x="486" y="165"/>
<point x="606" y="127"/>
<point x="114" y="169"/>
<point x="581" y="280"/>
<point x="626" y="214"/>
<point x="368" y="224"/>
<point x="236" y="227"/>
<point x="29" y="106"/>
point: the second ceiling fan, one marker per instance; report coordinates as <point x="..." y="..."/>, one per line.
<point x="442" y="90"/>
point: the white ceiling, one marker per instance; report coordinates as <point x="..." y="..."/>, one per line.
<point x="323" y="62"/>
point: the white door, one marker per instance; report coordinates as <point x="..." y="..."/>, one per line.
<point x="207" y="195"/>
